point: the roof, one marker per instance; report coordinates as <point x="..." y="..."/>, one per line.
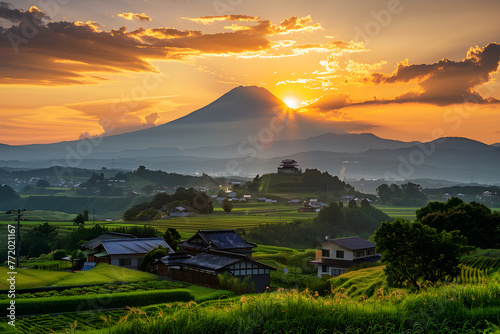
<point x="106" y="236"/>
<point x="217" y="239"/>
<point x="212" y="261"/>
<point x="133" y="246"/>
<point x="353" y="243"/>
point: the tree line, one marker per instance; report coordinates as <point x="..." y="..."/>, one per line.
<point x="429" y="249"/>
<point x="336" y="220"/>
<point x="409" y="194"/>
<point x="191" y="199"/>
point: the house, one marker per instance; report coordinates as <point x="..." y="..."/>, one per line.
<point x="126" y="253"/>
<point x="337" y="255"/>
<point x="223" y="240"/>
<point x="289" y="166"/>
<point x="106" y="236"/>
<point x="347" y="198"/>
<point x="203" y="268"/>
<point x="179" y="211"/>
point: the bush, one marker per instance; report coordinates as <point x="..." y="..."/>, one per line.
<point x="59" y="254"/>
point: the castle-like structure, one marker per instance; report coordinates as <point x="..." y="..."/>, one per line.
<point x="289" y="166"/>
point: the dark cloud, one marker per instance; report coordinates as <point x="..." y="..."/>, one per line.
<point x="16" y="16"/>
<point x="447" y="82"/>
<point x="62" y="53"/>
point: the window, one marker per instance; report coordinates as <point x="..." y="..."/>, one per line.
<point x="370" y="252"/>
<point x="337" y="272"/>
<point x="359" y="253"/>
<point x="325" y="253"/>
<point x="324" y="269"/>
<point x="125" y="262"/>
<point x="340" y="254"/>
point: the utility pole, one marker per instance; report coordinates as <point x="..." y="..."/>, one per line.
<point x="18" y="245"/>
<point x="93" y="216"/>
<point x="18" y="232"/>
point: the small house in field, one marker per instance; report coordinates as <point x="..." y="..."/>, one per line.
<point x="222" y="240"/>
<point x="336" y="255"/>
<point x="203" y="268"/>
<point x="179" y="211"/>
<point x="126" y="253"/>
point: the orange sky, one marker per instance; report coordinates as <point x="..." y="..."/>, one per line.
<point x="69" y="70"/>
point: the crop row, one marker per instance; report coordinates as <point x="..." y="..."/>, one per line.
<point x="102" y="289"/>
<point x="96" y="302"/>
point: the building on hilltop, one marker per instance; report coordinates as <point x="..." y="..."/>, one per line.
<point x="337" y="255"/>
<point x="289" y="166"/>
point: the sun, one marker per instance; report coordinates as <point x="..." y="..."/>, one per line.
<point x="291" y="102"/>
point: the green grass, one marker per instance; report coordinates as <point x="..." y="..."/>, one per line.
<point x="404" y="212"/>
<point x="103" y="273"/>
<point x="41" y="215"/>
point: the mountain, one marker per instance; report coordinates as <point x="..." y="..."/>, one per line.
<point x="248" y="131"/>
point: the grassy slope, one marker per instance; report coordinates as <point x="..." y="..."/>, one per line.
<point x="103" y="273"/>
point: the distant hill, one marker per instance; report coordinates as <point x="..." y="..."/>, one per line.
<point x="243" y="133"/>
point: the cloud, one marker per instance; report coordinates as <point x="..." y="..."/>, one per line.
<point x="131" y="16"/>
<point x="337" y="47"/>
<point x="212" y="19"/>
<point x="446" y="82"/>
<point x="265" y="27"/>
<point x="120" y="116"/>
<point x="66" y="53"/>
<point x="330" y="102"/>
<point x="15" y="16"/>
<point x="151" y="119"/>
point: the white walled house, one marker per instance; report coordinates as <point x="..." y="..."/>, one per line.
<point x="336" y="255"/>
<point x="126" y="253"/>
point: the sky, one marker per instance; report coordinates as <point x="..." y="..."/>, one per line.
<point x="406" y="70"/>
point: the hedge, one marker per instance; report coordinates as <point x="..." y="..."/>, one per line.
<point x="96" y="302"/>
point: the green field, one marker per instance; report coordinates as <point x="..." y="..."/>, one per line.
<point x="404" y="212"/>
<point x="103" y="273"/>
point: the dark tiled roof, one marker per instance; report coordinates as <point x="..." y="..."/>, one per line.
<point x="353" y="243"/>
<point x="218" y="239"/>
<point x="106" y="236"/>
<point x="210" y="261"/>
<point x="133" y="246"/>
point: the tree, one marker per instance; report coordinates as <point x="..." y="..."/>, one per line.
<point x="148" y="214"/>
<point x="148" y="189"/>
<point x="227" y="206"/>
<point x="172" y="237"/>
<point x="79" y="220"/>
<point x="86" y="215"/>
<point x="151" y="257"/>
<point x="384" y="193"/>
<point x="352" y="204"/>
<point x="77" y="258"/>
<point x="7" y="194"/>
<point x="39" y="240"/>
<point x="415" y="253"/>
<point x="475" y="221"/>
<point x="43" y="183"/>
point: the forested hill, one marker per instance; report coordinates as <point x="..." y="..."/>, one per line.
<point x="333" y="221"/>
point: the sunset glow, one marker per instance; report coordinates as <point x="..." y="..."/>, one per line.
<point x="398" y="72"/>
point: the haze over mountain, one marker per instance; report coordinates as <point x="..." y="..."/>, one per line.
<point x="248" y="131"/>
